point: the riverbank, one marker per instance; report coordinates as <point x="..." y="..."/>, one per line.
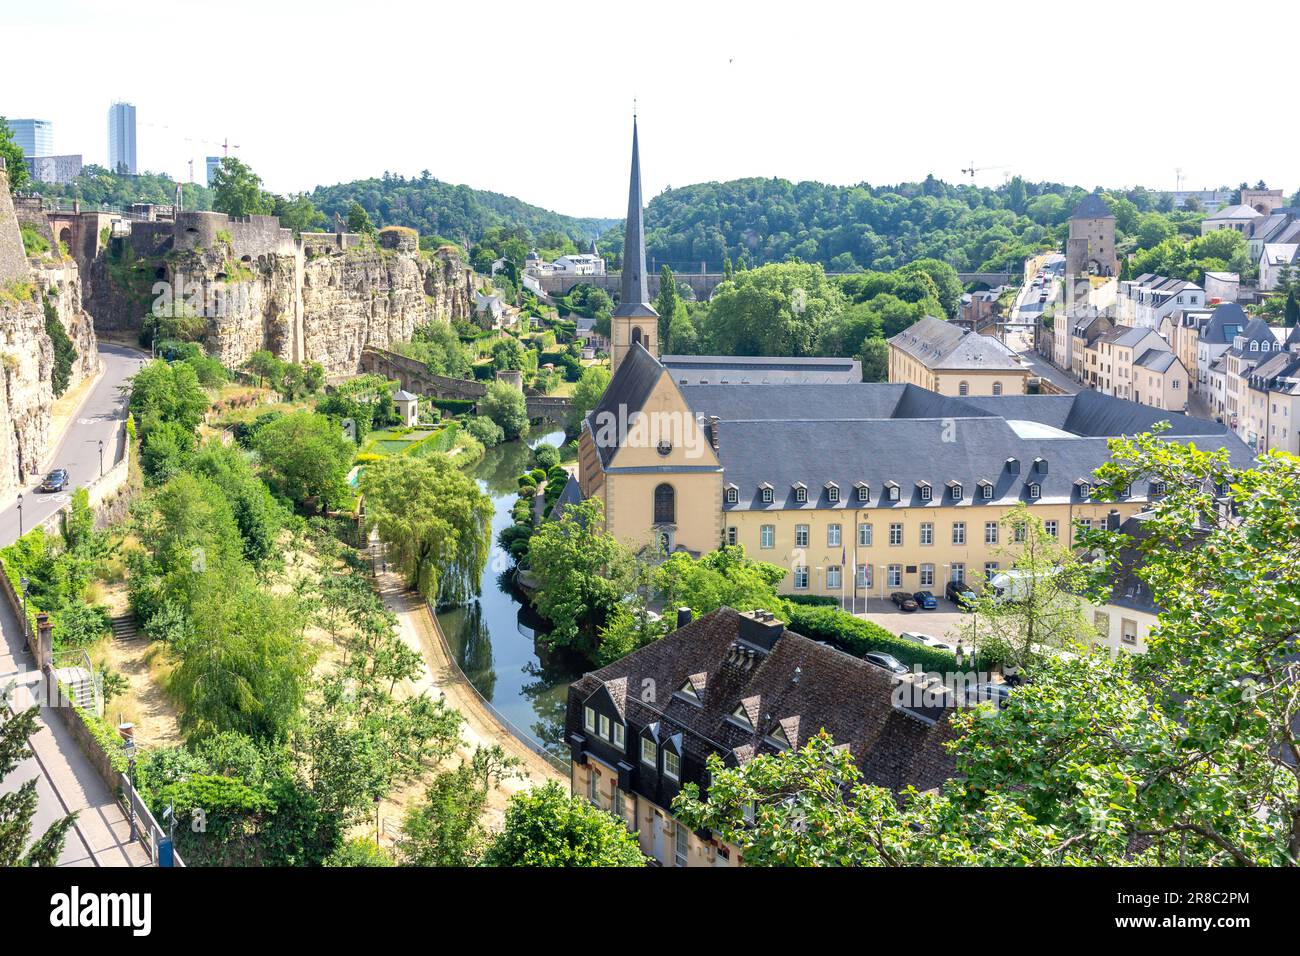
<point x="418" y="629"/>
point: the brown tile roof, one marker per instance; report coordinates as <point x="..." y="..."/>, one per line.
<point x="799" y="687"/>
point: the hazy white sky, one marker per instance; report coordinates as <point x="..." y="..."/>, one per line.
<point x="534" y="99"/>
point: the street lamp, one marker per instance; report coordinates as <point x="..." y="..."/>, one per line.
<point x="20" y="514"/>
<point x="101" y="458"/>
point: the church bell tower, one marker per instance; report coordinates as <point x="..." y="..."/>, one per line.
<point x="634" y="320"/>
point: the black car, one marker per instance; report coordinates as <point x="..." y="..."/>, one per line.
<point x="888" y="661"/>
<point x="959" y="594"/>
<point x="904" y="601"/>
<point x="56" y="480"/>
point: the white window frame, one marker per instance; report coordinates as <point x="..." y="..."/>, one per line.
<point x="801" y="536"/>
<point x="605" y="733"/>
<point x="896" y="534"/>
<point x="834" y="577"/>
<point x="671" y="758"/>
<point x="864" y="493"/>
<point x="800" y="572"/>
<point x="927" y="532"/>
<point x="990" y="532"/>
<point x="927" y="576"/>
<point x="653" y="760"/>
<point x="767" y="496"/>
<point x="864" y="534"/>
<point x="834" y="535"/>
<point x="620" y="735"/>
<point x="959" y="532"/>
<point x="589" y="719"/>
<point x="767" y="536"/>
<point x="801" y="495"/>
<point x="894" y="576"/>
<point x="733" y="496"/>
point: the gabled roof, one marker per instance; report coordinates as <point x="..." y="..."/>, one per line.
<point x="1157" y="360"/>
<point x="571" y="494"/>
<point x="402" y="395"/>
<point x="1235" y="212"/>
<point x="1226" y="321"/>
<point x="941" y="345"/>
<point x="630" y="387"/>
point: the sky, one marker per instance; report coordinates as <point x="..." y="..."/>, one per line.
<point x="535" y="99"/>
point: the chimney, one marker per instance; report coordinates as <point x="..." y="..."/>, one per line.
<point x="713" y="431"/>
<point x="44" y="641"/>
<point x="684" y="616"/>
<point x="760" y="630"/>
<point x="1040" y="465"/>
<point x="1112" y="520"/>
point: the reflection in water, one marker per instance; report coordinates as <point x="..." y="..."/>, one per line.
<point x="492" y="637"/>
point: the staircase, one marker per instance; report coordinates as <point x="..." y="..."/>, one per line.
<point x="124" y="628"/>
<point x="80" y="683"/>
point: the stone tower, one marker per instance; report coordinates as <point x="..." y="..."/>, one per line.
<point x="1090" y="249"/>
<point x="635" y="320"/>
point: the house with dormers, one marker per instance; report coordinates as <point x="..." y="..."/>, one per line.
<point x="735" y="686"/>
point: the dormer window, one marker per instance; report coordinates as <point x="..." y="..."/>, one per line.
<point x="741" y="716"/>
<point x="986" y="491"/>
<point x="800" y="493"/>
<point x="605" y="733"/>
<point x="1035" y="490"/>
<point x="891" y="491"/>
<point x="1128" y="491"/>
<point x="955" y="490"/>
<point x="864" y="492"/>
<point x="672" y="766"/>
<point x="1085" y="490"/>
<point x="767" y="494"/>
<point x="777" y="738"/>
<point x="733" y="494"/>
<point x="649" y="752"/>
<point x="688" y="692"/>
<point x="832" y="492"/>
<point x="926" y="492"/>
<point x="620" y="736"/>
<point x="589" y="719"/>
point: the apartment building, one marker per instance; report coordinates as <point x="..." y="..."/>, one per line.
<point x="1273" y="400"/>
<point x="1256" y="343"/>
<point x="1144" y="302"/>
<point x="736" y="686"/>
<point x="947" y="359"/>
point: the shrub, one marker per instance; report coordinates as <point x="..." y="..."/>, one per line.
<point x="485" y="430"/>
<point x="857" y="636"/>
<point x="546" y="455"/>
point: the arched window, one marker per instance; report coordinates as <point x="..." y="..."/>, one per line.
<point x="963" y="389"/>
<point x="636" y="333"/>
<point x="997" y="388"/>
<point x="665" y="505"/>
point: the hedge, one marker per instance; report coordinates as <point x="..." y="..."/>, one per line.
<point x="857" y="636"/>
<point x="454" y="406"/>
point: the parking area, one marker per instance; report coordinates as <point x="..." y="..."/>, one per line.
<point x="937" y="623"/>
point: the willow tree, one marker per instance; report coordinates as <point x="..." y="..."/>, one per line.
<point x="435" y="521"/>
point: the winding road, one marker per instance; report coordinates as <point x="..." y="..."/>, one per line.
<point x="65" y="780"/>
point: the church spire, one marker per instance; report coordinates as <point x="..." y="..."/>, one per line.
<point x="634" y="298"/>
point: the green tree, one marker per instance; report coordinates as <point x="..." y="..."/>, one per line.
<point x="435" y="521"/>
<point x="359" y="219"/>
<point x="446" y="828"/>
<point x="298" y="212"/>
<point x="12" y="154"/>
<point x="546" y="826"/>
<point x="777" y="309"/>
<point x="506" y="406"/>
<point x="306" y="456"/>
<point x="268" y="369"/>
<point x="507" y="354"/>
<point x="18" y="804"/>
<point x="1042" y="608"/>
<point x="237" y="190"/>
<point x="65" y="354"/>
<point x="875" y="360"/>
<point x="587" y="394"/>
<point x="722" y="577"/>
<point x="582" y="572"/>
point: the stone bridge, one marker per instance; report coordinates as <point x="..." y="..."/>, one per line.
<point x="703" y="283"/>
<point x="415" y="377"/>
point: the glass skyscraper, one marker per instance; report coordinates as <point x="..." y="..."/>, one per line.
<point x="35" y="137"/>
<point x="121" y="138"/>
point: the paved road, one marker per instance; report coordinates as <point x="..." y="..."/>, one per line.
<point x="66" y="782"/>
<point x="99" y="419"/>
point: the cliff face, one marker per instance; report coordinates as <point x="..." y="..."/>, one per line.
<point x="28" y="290"/>
<point x="376" y="297"/>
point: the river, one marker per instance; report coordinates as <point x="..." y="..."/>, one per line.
<point x="492" y="638"/>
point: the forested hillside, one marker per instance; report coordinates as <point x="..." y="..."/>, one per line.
<point x="457" y="213"/>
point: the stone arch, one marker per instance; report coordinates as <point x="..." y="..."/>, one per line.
<point x="636" y="334"/>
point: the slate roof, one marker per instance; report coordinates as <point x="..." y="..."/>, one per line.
<point x="799" y="687"/>
<point x="1282" y="253"/>
<point x="1126" y="336"/>
<point x="716" y="369"/>
<point x="1157" y="360"/>
<point x="1092" y="207"/>
<point x="1235" y="212"/>
<point x="629" y="387"/>
<point x="402" y="395"/>
<point x="634" y="299"/>
<point x="942" y="345"/>
<point x="1225" y="323"/>
<point x="571" y="494"/>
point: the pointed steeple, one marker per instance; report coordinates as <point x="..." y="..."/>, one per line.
<point x="634" y="297"/>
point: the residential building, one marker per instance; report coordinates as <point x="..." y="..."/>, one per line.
<point x="579" y="264"/>
<point x="1182" y="330"/>
<point x="1280" y="226"/>
<point x="35" y="137"/>
<point x="1160" y="379"/>
<point x="1257" y="342"/>
<point x="944" y="358"/>
<point x="1085" y="363"/>
<point x="1278" y="259"/>
<point x="1116" y="352"/>
<point x="1214" y="337"/>
<point x="737" y="686"/>
<point x="1273" y="400"/>
<point x="1145" y="301"/>
<point x="1139" y="365"/>
<point x="1239" y="218"/>
<point x="1221" y="287"/>
<point x="121" y="138"/>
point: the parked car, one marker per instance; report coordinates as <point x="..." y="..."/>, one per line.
<point x="959" y="594"/>
<point x="56" y="480"/>
<point x="998" y="693"/>
<point x="916" y="637"/>
<point x="926" y="600"/>
<point x="888" y="661"/>
<point x="904" y="601"/>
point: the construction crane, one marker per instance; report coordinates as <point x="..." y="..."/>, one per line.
<point x="972" y="169"/>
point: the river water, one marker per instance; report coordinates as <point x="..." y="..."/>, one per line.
<point x="492" y="638"/>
